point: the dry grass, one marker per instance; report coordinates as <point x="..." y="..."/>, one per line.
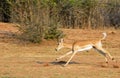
<point x="26" y="60"/>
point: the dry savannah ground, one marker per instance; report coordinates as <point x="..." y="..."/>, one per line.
<point x="26" y="60"/>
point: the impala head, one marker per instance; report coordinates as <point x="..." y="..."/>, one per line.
<point x="59" y="45"/>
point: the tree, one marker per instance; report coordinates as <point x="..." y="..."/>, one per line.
<point x="5" y="8"/>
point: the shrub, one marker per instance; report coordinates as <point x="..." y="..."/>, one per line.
<point x="34" y="20"/>
<point x="54" y="33"/>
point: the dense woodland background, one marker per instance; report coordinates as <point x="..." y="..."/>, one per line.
<point x="40" y="19"/>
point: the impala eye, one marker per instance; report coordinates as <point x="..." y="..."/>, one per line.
<point x="57" y="43"/>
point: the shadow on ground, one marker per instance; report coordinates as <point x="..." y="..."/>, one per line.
<point x="56" y="63"/>
<point x="61" y="63"/>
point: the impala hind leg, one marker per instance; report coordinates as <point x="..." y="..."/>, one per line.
<point x="107" y="53"/>
<point x="104" y="53"/>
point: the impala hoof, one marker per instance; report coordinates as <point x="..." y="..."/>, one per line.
<point x="65" y="65"/>
<point x="107" y="62"/>
<point x="56" y="59"/>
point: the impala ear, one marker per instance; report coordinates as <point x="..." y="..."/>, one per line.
<point x="62" y="40"/>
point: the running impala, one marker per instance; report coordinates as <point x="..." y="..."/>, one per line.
<point x="80" y="46"/>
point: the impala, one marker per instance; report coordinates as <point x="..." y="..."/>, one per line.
<point x="85" y="45"/>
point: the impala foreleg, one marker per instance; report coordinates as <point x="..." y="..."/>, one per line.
<point x="70" y="58"/>
<point x="64" y="55"/>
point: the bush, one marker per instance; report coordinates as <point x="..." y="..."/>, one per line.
<point x="32" y="34"/>
<point x="54" y="33"/>
<point x="34" y="20"/>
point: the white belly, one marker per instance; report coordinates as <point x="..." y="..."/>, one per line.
<point x="87" y="47"/>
